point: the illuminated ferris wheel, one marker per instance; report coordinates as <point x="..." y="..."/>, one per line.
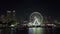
<point x="36" y="18"/>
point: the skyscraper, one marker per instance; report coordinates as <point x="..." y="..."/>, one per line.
<point x="8" y="16"/>
<point x="13" y="15"/>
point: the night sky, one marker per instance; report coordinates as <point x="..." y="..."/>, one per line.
<point x="26" y="7"/>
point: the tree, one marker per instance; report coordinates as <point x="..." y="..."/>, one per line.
<point x="12" y="23"/>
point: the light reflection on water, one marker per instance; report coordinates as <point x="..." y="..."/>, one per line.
<point x="35" y="30"/>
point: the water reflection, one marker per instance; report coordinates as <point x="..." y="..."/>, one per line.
<point x="37" y="30"/>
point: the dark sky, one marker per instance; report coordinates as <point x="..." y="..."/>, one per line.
<point x="26" y="7"/>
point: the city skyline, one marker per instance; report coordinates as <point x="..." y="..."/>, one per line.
<point x="29" y="17"/>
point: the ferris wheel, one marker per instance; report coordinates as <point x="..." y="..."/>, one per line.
<point x="36" y="18"/>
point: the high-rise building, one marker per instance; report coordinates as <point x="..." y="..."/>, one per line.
<point x="8" y="16"/>
<point x="13" y="15"/>
<point x="2" y="18"/>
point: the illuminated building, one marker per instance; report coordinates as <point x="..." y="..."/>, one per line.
<point x="3" y="18"/>
<point x="8" y="16"/>
<point x="13" y="15"/>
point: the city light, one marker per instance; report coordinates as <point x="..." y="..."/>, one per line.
<point x="29" y="17"/>
<point x="12" y="25"/>
<point x="36" y="22"/>
<point x="36" y="19"/>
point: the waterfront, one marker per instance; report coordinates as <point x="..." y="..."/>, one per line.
<point x="40" y="30"/>
<point x="34" y="30"/>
